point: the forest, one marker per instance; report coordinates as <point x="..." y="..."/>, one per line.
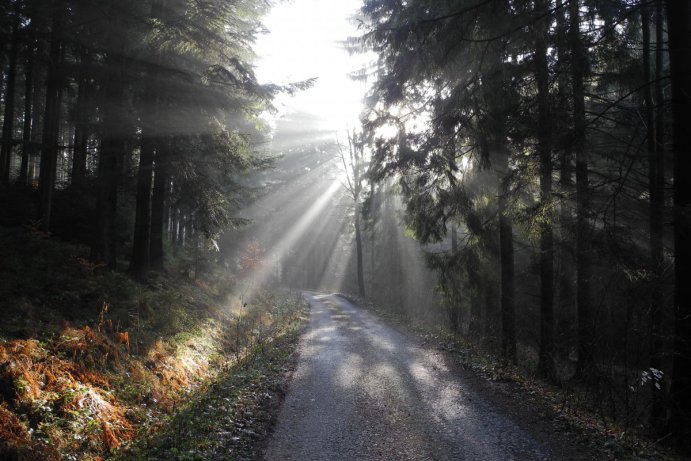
<point x="514" y="183"/>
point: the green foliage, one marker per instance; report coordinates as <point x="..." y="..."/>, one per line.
<point x="211" y="184"/>
<point x="456" y="117"/>
<point x="172" y="80"/>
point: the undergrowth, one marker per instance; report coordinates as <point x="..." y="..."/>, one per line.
<point x="91" y="360"/>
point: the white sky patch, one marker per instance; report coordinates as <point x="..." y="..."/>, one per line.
<point x="303" y="43"/>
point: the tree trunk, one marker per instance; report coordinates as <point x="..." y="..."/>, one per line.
<point x="475" y="283"/>
<point x="139" y="263"/>
<point x="546" y="367"/>
<point x="27" y="146"/>
<point x="176" y="231"/>
<point x="660" y="415"/>
<point x="655" y="152"/>
<point x="679" y="26"/>
<point x="508" y="312"/>
<point x="51" y="118"/>
<point x="358" y="247"/>
<point x="161" y="180"/>
<point x="161" y="167"/>
<point x="141" y="248"/>
<point x="8" y="120"/>
<point x="81" y="129"/>
<point x="167" y="212"/>
<point x="451" y="275"/>
<point x="493" y="143"/>
<point x="114" y="132"/>
<point x="112" y="147"/>
<point x="374" y="207"/>
<point x="566" y="274"/>
<point x="40" y="75"/>
<point x="586" y="337"/>
<point x="355" y="146"/>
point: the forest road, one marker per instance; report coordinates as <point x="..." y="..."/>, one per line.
<point x="364" y="391"/>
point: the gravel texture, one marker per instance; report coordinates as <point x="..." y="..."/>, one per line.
<point x="365" y="391"/>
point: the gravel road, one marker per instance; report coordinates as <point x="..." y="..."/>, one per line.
<point x="365" y="391"/>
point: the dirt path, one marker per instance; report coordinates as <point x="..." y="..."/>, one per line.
<point x="363" y="390"/>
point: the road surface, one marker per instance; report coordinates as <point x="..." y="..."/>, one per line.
<point x="365" y="391"/>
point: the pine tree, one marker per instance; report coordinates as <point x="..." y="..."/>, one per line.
<point x="679" y="24"/>
<point x="546" y="366"/>
<point x="52" y="114"/>
<point x="10" y="90"/>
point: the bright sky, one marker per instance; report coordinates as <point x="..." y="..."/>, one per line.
<point x="304" y="43"/>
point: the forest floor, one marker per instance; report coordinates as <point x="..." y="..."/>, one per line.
<point x="367" y="389"/>
<point x="94" y="365"/>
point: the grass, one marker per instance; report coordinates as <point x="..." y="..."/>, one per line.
<point x="92" y="361"/>
<point x="229" y="417"/>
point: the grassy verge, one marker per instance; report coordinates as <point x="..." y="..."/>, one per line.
<point x="92" y="361"/>
<point x="229" y="417"/>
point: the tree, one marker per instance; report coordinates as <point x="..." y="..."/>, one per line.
<point x="51" y="117"/>
<point x="546" y="361"/>
<point x="115" y="130"/>
<point x="656" y="180"/>
<point x="679" y="24"/>
<point x="8" y="118"/>
<point x="355" y="167"/>
<point x="657" y="212"/>
<point x="82" y="118"/>
<point x="141" y="240"/>
<point x="586" y="341"/>
<point x="29" y="104"/>
<point x="456" y="89"/>
<point x="423" y="47"/>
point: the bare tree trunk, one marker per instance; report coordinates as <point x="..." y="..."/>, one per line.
<point x="451" y="278"/>
<point x="655" y="140"/>
<point x="586" y="337"/>
<point x="167" y="212"/>
<point x="475" y="282"/>
<point x="176" y="238"/>
<point x="27" y="147"/>
<point x="112" y="147"/>
<point x="358" y="245"/>
<point x="659" y="410"/>
<point x="141" y="239"/>
<point x="679" y="26"/>
<point x="51" y="118"/>
<point x="38" y="111"/>
<point x="8" y="121"/>
<point x="506" y="258"/>
<point x="115" y="132"/>
<point x="161" y="181"/>
<point x="81" y="129"/>
<point x="374" y="204"/>
<point x="546" y="367"/>
<point x="354" y="178"/>
<point x="493" y="144"/>
<point x="565" y="255"/>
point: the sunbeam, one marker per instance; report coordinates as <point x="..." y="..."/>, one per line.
<point x="289" y="237"/>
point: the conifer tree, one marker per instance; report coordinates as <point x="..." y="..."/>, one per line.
<point x="679" y="20"/>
